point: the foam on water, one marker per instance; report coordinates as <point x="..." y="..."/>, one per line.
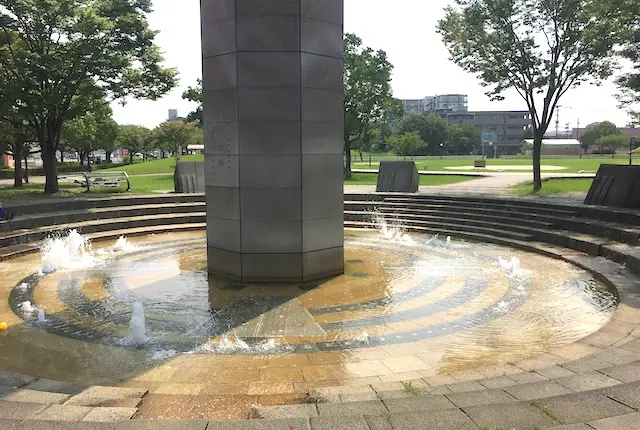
<point x="41" y="317"/>
<point x="67" y="252"/>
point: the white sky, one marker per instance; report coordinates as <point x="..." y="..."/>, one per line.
<point x="405" y="29"/>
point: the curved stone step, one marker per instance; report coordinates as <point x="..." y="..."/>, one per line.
<point x="7" y="253"/>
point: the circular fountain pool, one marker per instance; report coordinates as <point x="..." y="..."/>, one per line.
<point x="451" y="305"/>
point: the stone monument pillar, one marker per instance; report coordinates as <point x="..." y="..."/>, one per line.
<point x="273" y="121"/>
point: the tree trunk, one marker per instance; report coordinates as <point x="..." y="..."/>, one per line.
<point x="537" y="149"/>
<point x="61" y="157"/>
<point x="130" y="157"/>
<point x="26" y="167"/>
<point x="361" y="156"/>
<point x="88" y="162"/>
<point x="107" y="157"/>
<point x="50" y="171"/>
<point x="347" y="161"/>
<point x="81" y="157"/>
<point x="17" y="172"/>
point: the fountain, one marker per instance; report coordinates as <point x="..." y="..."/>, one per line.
<point x="137" y="325"/>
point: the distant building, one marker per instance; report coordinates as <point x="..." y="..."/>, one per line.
<point x="577" y="133"/>
<point x="173" y="116"/>
<point x="502" y="132"/>
<point x="436" y="104"/>
<point x="570" y="147"/>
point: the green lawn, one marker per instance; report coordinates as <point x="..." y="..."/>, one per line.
<point x="139" y="185"/>
<point x="556" y="186"/>
<point x="372" y="179"/>
<point x="587" y="164"/>
<point x="165" y="165"/>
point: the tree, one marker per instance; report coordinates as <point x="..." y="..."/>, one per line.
<point x="133" y="138"/>
<point x="17" y="141"/>
<point x="367" y="92"/>
<point x="406" y="143"/>
<point x="434" y="133"/>
<point x="539" y="48"/>
<point x="463" y="139"/>
<point x="595" y="131"/>
<point x="194" y="94"/>
<point x="173" y="135"/>
<point x="107" y="137"/>
<point x="613" y="142"/>
<point x="50" y="51"/>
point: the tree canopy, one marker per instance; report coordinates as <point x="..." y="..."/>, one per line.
<point x="134" y="138"/>
<point x="613" y="141"/>
<point x="194" y="94"/>
<point x="406" y="143"/>
<point x="597" y="130"/>
<point x="173" y="135"/>
<point x="368" y="97"/>
<point x="52" y="52"/>
<point x="539" y="48"/>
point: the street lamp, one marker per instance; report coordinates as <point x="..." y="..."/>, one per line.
<point x="441" y="150"/>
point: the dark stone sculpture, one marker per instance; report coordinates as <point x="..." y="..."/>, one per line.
<point x="615" y="185"/>
<point x="189" y="177"/>
<point x="398" y="176"/>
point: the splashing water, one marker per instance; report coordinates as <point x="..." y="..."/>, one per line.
<point x="27" y="307"/>
<point x="363" y="337"/>
<point x="511" y="267"/>
<point x="69" y="252"/>
<point x="393" y="233"/>
<point x="122" y="244"/>
<point x="137" y="326"/>
<point x="448" y="241"/>
<point x="22" y="288"/>
<point x="41" y="317"/>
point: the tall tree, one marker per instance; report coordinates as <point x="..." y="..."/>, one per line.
<point x="194" y="94"/>
<point x="367" y="92"/>
<point x="595" y="131"/>
<point x="406" y="144"/>
<point x="16" y="140"/>
<point x="51" y="50"/>
<point x="612" y="141"/>
<point x="134" y="139"/>
<point x="463" y="139"/>
<point x="172" y="136"/>
<point x="107" y="137"/>
<point x="539" y="48"/>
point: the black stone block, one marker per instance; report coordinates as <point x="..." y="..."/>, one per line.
<point x="398" y="177"/>
<point x="615" y="185"/>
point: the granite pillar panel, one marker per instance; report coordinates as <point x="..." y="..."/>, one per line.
<point x="273" y="121"/>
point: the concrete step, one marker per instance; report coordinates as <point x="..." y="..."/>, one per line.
<point x="510" y="206"/>
<point x="436" y="226"/>
<point x="19" y="250"/>
<point x="74" y="216"/>
<point x="100" y="225"/>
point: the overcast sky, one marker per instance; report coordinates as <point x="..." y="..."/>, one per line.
<point x="405" y="29"/>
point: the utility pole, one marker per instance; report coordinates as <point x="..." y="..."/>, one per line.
<point x="578" y="137"/>
<point x="558" y="121"/>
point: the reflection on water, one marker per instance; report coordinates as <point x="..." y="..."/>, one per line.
<point x="118" y="309"/>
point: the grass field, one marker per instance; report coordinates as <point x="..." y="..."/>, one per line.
<point x="372" y="179"/>
<point x="562" y="165"/>
<point x="556" y="186"/>
<point x="165" y="165"/>
<point x="567" y="165"/>
<point x="139" y="185"/>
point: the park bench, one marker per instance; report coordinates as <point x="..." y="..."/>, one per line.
<point x="480" y="164"/>
<point x="100" y="179"/>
